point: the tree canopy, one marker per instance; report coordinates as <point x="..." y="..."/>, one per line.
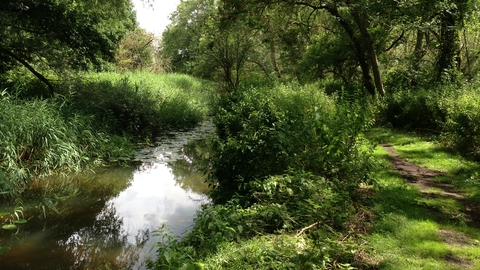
<point x="59" y="34"/>
<point x="366" y="42"/>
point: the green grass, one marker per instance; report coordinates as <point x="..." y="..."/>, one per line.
<point x="453" y="111"/>
<point x="429" y="152"/>
<point x="408" y="225"/>
<point x="266" y="252"/>
<point x="140" y="104"/>
<point x="35" y="139"/>
<point x="425" y="151"/>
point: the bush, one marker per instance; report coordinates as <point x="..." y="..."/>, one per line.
<point x="286" y="204"/>
<point x="286" y="161"/>
<point x="462" y="128"/>
<point x="451" y="112"/>
<point x="414" y="109"/>
<point x="266" y="132"/>
<point x="139" y="104"/>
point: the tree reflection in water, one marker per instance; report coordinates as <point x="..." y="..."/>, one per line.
<point x="190" y="172"/>
<point x="105" y="244"/>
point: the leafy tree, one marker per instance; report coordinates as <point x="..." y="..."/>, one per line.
<point x="352" y="16"/>
<point x="451" y="19"/>
<point x="181" y="39"/>
<point x="414" y="42"/>
<point x="200" y="42"/>
<point x="139" y="50"/>
<point x="46" y="34"/>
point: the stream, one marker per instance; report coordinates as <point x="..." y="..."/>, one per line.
<point x="111" y="224"/>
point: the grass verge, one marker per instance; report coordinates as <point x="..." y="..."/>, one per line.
<point x="418" y="230"/>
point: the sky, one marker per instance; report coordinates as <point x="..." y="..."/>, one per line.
<point x="155" y="19"/>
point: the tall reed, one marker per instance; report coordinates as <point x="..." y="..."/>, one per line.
<point x="36" y="139"/>
<point x="139" y="103"/>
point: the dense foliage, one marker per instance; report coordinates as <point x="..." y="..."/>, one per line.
<point x="265" y="132"/>
<point x="287" y="154"/>
<point x="285" y="159"/>
<point x="56" y="35"/>
<point x="139" y="50"/>
<point x="230" y="236"/>
<point x="450" y="112"/>
<point x="139" y="104"/>
<point x="36" y="139"/>
<point x="297" y="83"/>
<point x="376" y="45"/>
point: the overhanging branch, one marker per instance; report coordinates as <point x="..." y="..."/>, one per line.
<point x="29" y="67"/>
<point x="394" y="43"/>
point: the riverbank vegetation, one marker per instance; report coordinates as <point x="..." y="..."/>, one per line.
<point x="298" y="185"/>
<point x="286" y="161"/>
<point x="301" y="93"/>
<point x="299" y="182"/>
<point x="95" y="119"/>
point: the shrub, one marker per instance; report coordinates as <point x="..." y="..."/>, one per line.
<point x="266" y="132"/>
<point x="446" y="110"/>
<point x="462" y="128"/>
<point x="139" y="104"/>
<point x="287" y="160"/>
<point x="286" y="204"/>
<point x="414" y="109"/>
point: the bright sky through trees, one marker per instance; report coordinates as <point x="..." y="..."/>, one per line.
<point x="153" y="16"/>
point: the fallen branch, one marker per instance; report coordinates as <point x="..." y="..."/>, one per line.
<point x="307" y="228"/>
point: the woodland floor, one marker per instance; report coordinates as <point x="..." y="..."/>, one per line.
<point x="424" y="179"/>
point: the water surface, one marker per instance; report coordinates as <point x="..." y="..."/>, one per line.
<point x="110" y="224"/>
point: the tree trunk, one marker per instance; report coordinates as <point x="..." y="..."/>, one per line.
<point x="358" y="49"/>
<point x="273" y="58"/>
<point x="418" y="51"/>
<point x="372" y="55"/>
<point x="448" y="50"/>
<point x="467" y="56"/>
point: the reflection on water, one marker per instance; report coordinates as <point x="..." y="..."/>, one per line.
<point x="110" y="225"/>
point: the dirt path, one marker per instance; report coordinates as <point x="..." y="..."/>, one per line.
<point x="423" y="178"/>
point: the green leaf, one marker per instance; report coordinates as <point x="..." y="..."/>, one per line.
<point x="4" y="250"/>
<point x="2" y="214"/>
<point x="9" y="227"/>
<point x="20" y="221"/>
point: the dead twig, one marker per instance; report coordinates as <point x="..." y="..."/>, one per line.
<point x="307" y="228"/>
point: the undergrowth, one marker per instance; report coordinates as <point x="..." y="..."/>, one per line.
<point x="36" y="140"/>
<point x="448" y="110"/>
<point x="288" y="164"/>
<point x="139" y="104"/>
<point x="296" y="223"/>
<point x="263" y="132"/>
